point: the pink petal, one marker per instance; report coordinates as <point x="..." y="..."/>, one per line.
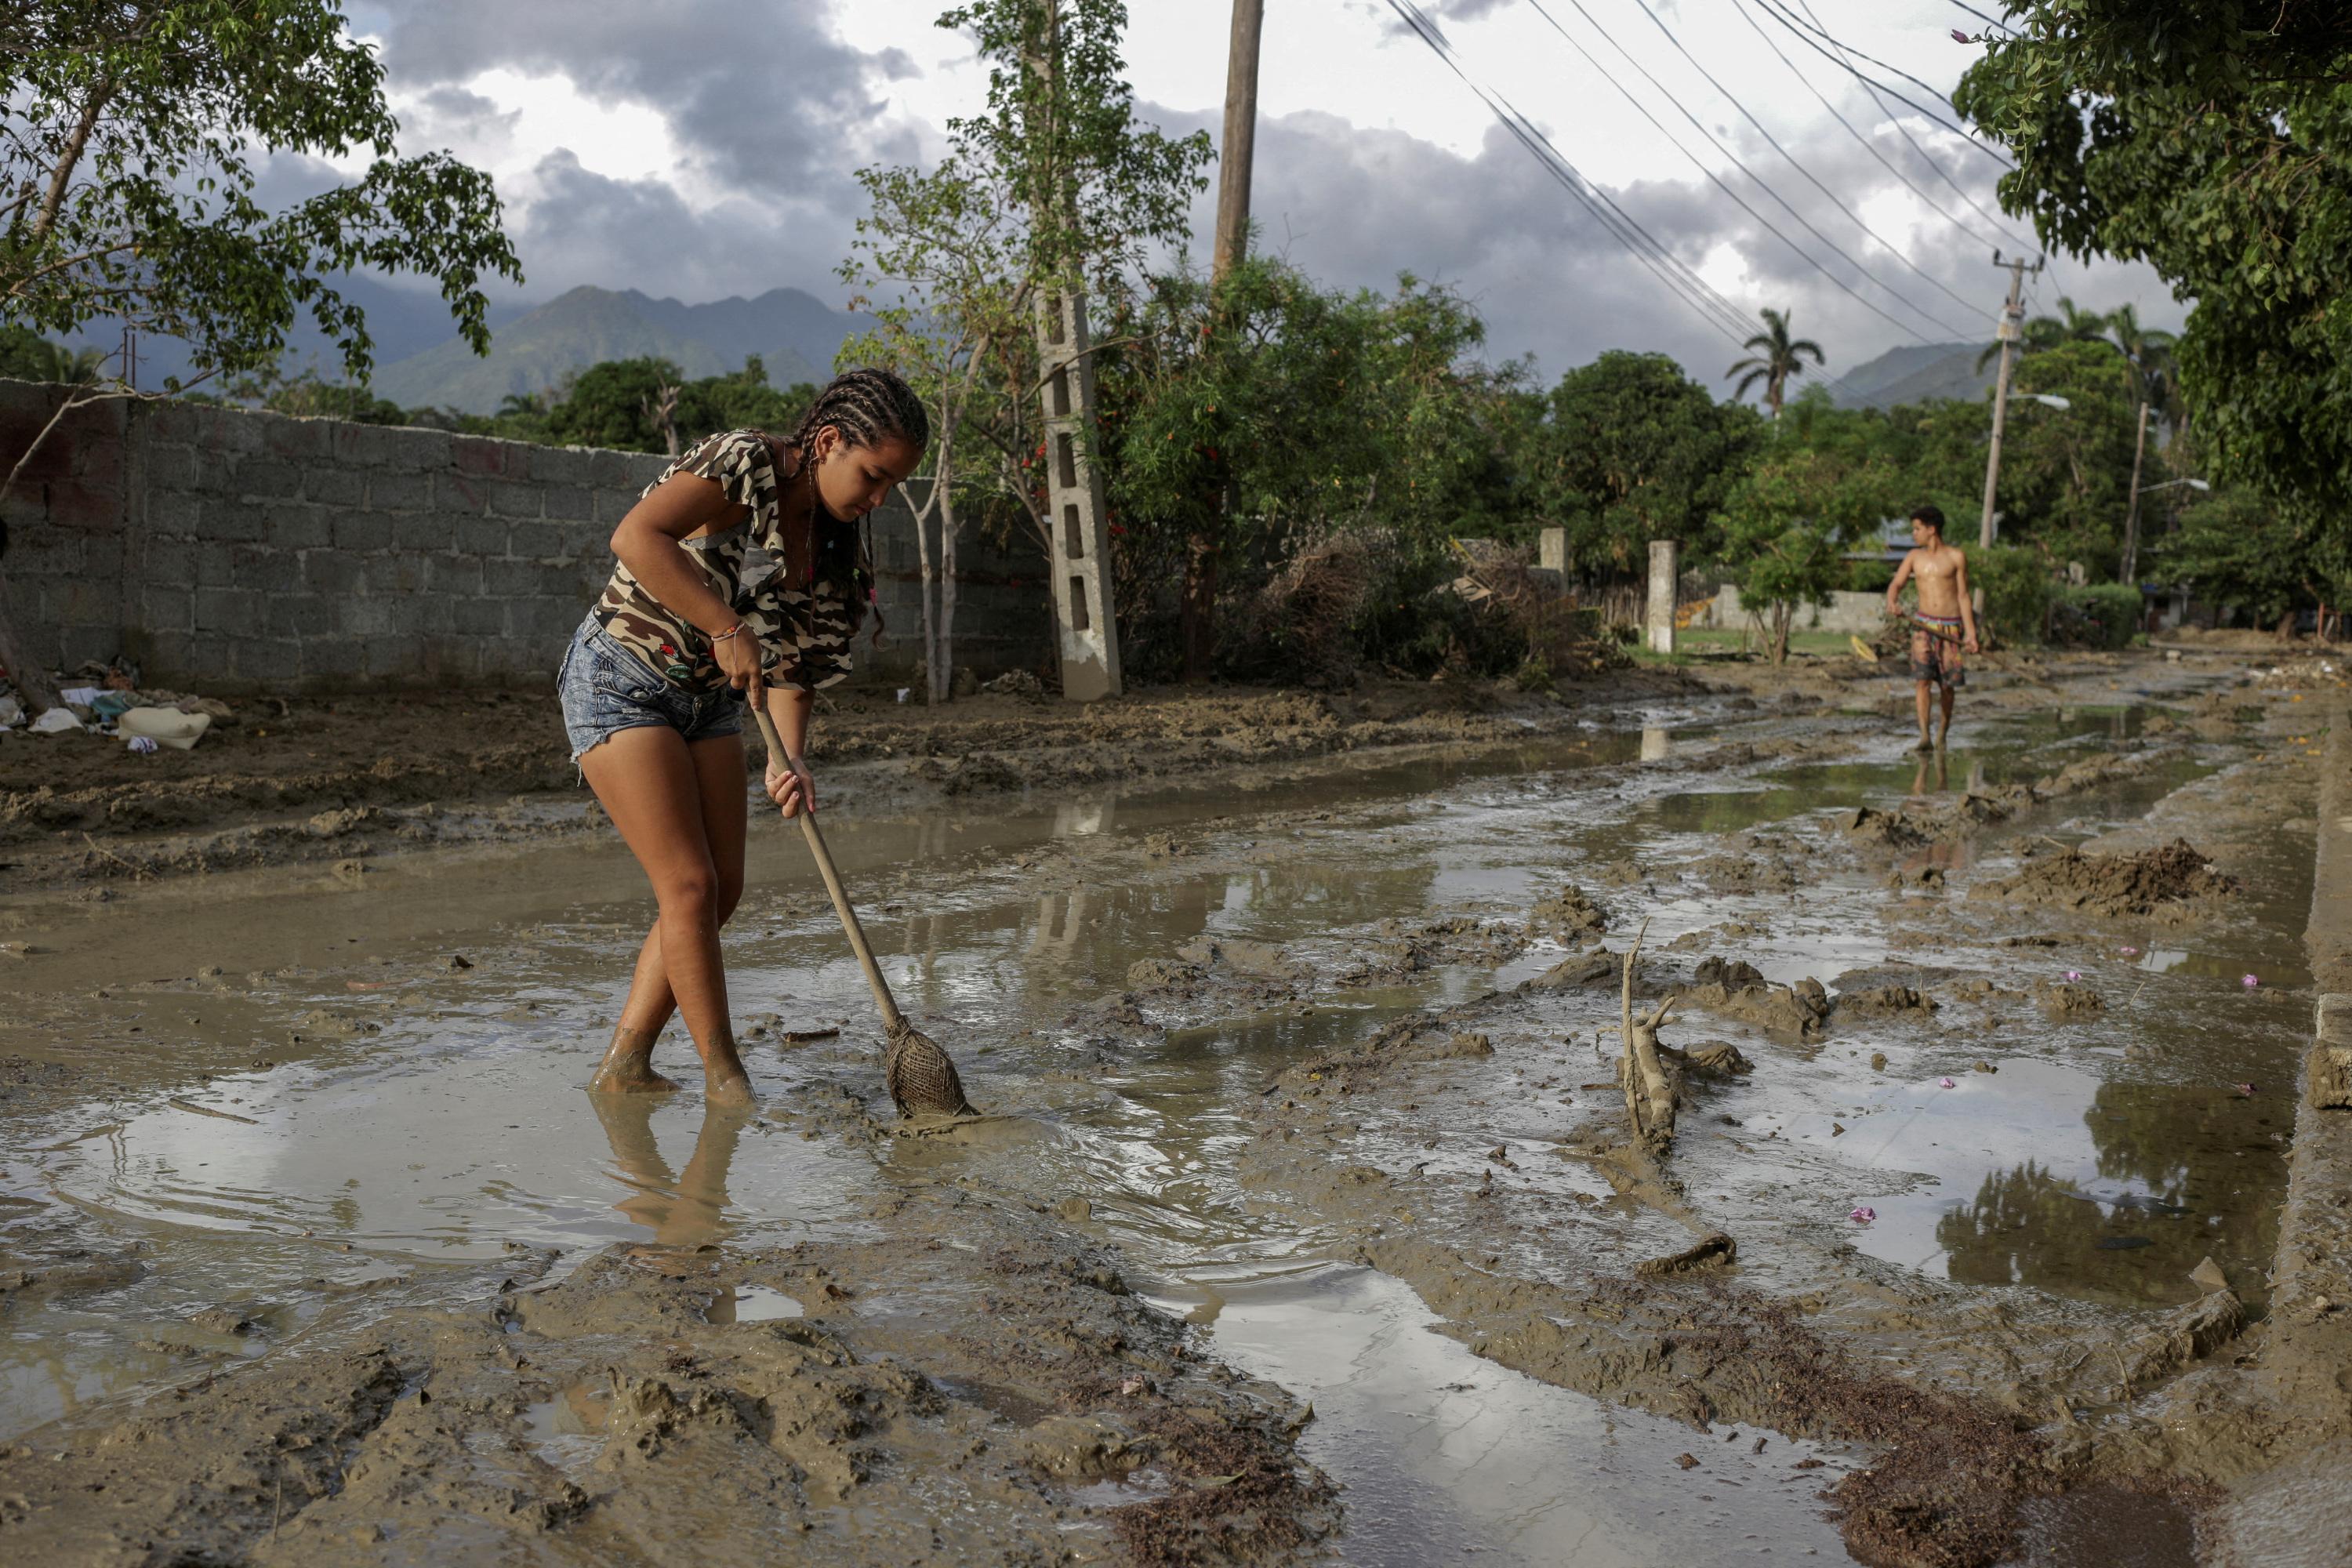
<point x="1946" y="1083"/>
<point x="1960" y="37"/>
<point x="1863" y="1215"/>
<point x="2249" y="982"/>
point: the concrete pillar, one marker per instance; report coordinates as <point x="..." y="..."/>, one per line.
<point x="1551" y="552"/>
<point x="1085" y="632"/>
<point x="1665" y="573"/>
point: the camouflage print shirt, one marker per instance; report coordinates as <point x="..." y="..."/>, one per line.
<point x="804" y="625"/>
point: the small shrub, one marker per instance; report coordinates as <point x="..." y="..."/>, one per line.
<point x="2097" y="615"/>
<point x="2017" y="588"/>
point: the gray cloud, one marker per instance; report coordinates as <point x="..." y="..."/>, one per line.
<point x="761" y="91"/>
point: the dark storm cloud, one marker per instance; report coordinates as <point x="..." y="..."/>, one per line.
<point x="762" y="92"/>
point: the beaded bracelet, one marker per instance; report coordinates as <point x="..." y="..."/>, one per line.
<point x="729" y="632"/>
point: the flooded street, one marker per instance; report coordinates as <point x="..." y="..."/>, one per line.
<point x="1125" y="980"/>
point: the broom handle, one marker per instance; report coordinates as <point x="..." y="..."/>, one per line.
<point x="891" y="1017"/>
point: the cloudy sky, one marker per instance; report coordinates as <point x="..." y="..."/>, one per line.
<point x="703" y="148"/>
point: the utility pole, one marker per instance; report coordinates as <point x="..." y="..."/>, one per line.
<point x="2012" y="314"/>
<point x="1241" y="137"/>
<point x="1077" y="539"/>
<point x="2131" y="518"/>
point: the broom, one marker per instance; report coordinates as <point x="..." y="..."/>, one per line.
<point x="921" y="1076"/>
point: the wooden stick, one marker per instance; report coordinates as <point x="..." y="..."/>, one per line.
<point x="892" y="1019"/>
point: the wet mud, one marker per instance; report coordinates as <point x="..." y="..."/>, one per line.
<point x="1305" y="1223"/>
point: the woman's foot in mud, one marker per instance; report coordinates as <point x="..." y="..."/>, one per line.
<point x="629" y="1067"/>
<point x="724" y="1081"/>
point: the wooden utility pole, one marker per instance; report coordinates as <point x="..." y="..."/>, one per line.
<point x="1077" y="538"/>
<point x="1241" y="137"/>
<point x="2012" y="314"/>
<point x="2131" y="518"/>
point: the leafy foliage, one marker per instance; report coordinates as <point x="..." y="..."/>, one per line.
<point x="1787" y="522"/>
<point x="1774" y="358"/>
<point x="2096" y="614"/>
<point x="2237" y="551"/>
<point x="2213" y="142"/>
<point x="126" y="180"/>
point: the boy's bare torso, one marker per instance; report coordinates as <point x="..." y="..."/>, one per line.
<point x="1936" y="572"/>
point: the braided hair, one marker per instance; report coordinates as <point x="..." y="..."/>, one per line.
<point x="868" y="406"/>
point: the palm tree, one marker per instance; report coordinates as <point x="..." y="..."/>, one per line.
<point x="1773" y="358"/>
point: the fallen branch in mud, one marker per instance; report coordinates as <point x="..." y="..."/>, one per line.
<point x="1650" y="1092"/>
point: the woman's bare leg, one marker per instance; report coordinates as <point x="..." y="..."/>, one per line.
<point x="718" y="774"/>
<point x="652" y="788"/>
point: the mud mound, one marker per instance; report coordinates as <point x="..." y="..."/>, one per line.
<point x="1762" y="873"/>
<point x="1885" y="829"/>
<point x="1569" y="916"/>
<point x="1885" y="1002"/>
<point x="2167" y="880"/>
<point x="1732" y="973"/>
<point x="1578" y="969"/>
<point x="2063" y="1000"/>
<point x="1405" y="949"/>
<point x="1799" y="1009"/>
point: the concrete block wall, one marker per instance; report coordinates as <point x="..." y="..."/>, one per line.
<point x="230" y="550"/>
<point x="1845" y="612"/>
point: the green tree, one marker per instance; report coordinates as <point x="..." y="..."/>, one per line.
<point x="307" y="396"/>
<point x="2065" y="474"/>
<point x="616" y="403"/>
<point x="1056" y="187"/>
<point x="2153" y="375"/>
<point x="1634" y="450"/>
<point x="2235" y="552"/>
<point x="2210" y="141"/>
<point x="1788" y="522"/>
<point x="1774" y="359"/>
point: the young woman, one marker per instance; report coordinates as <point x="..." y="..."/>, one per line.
<point x="654" y="682"/>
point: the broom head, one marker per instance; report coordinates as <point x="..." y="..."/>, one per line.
<point x="921" y="1076"/>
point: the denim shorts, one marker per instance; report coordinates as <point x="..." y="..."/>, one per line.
<point x="605" y="690"/>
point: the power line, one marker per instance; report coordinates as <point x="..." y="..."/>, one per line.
<point x="1802" y="31"/>
<point x="1716" y="179"/>
<point x="1892" y="247"/>
<point x="1685" y="285"/>
<point x="1905" y="131"/>
<point x="1981" y="16"/>
<point x="1871" y="147"/>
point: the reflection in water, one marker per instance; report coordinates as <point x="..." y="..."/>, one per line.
<point x="2186" y="1171"/>
<point x="686" y="1211"/>
<point x="1656" y="744"/>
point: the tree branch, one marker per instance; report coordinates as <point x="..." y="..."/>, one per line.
<point x="74" y="144"/>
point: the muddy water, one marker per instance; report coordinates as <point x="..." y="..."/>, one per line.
<point x="425" y="1126"/>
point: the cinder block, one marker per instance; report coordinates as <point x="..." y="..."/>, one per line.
<point x="334" y="573"/>
<point x="568" y="503"/>
<point x="457" y="576"/>
<point x="509" y="579"/>
<point x="478" y="617"/>
<point x="299" y="441"/>
<point x="172" y="513"/>
<point x="421" y="531"/>
<point x="479" y="455"/>
<point x="545" y="618"/>
<point x="451" y="660"/>
<point x="560" y="466"/>
<point x="209" y="564"/>
<point x="362" y="533"/>
<point x="459" y="493"/>
<point x="298" y="527"/>
<point x="366" y="615"/>
<point x="612" y="506"/>
<point x="398" y="575"/>
<point x="216" y="472"/>
<point x="328" y="662"/>
<point x="71" y="504"/>
<point x="233" y="522"/>
<point x="609" y="469"/>
<point x="267" y="478"/>
<point x="425" y="612"/>
<point x="263" y="569"/>
<point x="511" y="497"/>
<point x="398" y="657"/>
<point x="483" y="537"/>
<point x="329" y="483"/>
<point x="390" y="490"/>
<point x="299" y="616"/>
<point x="41" y="553"/>
<point x="228" y="611"/>
<point x="71" y="601"/>
<point x="163" y="655"/>
<point x="164" y="608"/>
<point x="542" y="540"/>
<point x="168" y="466"/>
<point x="168" y="420"/>
<point x="79" y="644"/>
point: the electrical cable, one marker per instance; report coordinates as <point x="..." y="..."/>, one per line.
<point x="1871" y="147"/>
<point x="1981" y="16"/>
<point x="1774" y="141"/>
<point x="1769" y="227"/>
<point x="1685" y="285"/>
<point x="1905" y="131"/>
<point x="1802" y="31"/>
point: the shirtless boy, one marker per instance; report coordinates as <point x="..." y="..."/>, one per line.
<point x="1943" y="626"/>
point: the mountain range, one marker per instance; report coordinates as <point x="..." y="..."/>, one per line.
<point x="795" y="333"/>
<point x="1914" y="374"/>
